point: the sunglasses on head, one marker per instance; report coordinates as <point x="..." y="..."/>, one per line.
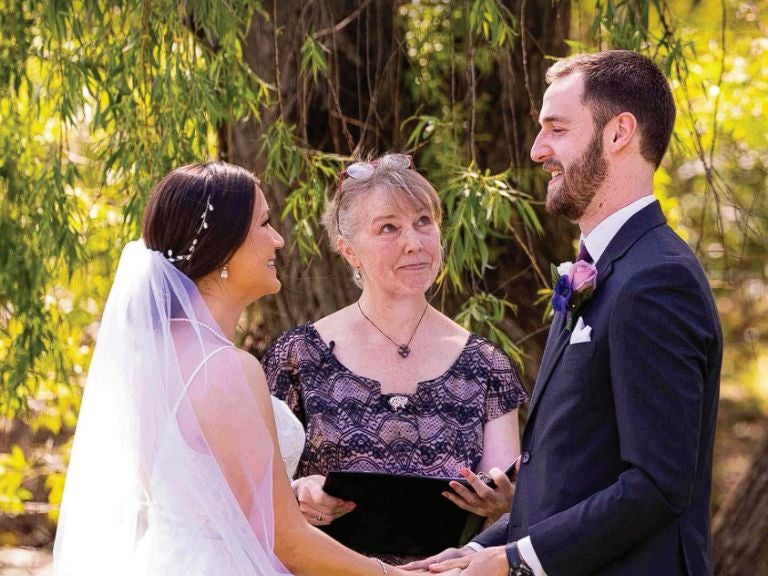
<point x="364" y="170"/>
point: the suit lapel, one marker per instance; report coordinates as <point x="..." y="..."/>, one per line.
<point x="649" y="217"/>
<point x="558" y="338"/>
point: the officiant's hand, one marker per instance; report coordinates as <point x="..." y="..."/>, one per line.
<point x="483" y="500"/>
<point x="318" y="507"/>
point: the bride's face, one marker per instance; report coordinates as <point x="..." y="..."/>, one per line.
<point x="252" y="268"/>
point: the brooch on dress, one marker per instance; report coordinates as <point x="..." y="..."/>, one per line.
<point x="398" y="402"/>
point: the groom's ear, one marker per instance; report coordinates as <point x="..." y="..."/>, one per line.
<point x="621" y="131"/>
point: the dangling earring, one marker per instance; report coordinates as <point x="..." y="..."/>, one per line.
<point x="357" y="275"/>
<point x="224" y="272"/>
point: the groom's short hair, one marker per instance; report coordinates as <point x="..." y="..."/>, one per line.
<point x="617" y="81"/>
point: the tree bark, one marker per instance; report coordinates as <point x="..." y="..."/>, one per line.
<point x="309" y="291"/>
<point x="740" y="529"/>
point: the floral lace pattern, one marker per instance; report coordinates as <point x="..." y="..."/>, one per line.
<point x="351" y="425"/>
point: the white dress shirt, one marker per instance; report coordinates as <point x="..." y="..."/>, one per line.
<point x="597" y="240"/>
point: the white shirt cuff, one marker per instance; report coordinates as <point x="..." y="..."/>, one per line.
<point x="528" y="554"/>
<point x="475" y="546"/>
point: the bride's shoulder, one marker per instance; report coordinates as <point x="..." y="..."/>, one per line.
<point x="249" y="363"/>
<point x="231" y="362"/>
<point x="236" y="370"/>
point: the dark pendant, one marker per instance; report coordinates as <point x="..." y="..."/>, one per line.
<point x="403" y="350"/>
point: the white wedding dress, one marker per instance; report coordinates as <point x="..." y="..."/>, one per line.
<point x="290" y="435"/>
<point x="172" y="464"/>
<point x="169" y="546"/>
<point x="172" y="544"/>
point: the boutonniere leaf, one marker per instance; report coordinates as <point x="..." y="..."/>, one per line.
<point x="574" y="283"/>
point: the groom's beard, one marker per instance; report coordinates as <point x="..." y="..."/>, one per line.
<point x="581" y="180"/>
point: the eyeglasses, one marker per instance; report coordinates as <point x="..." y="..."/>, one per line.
<point x="364" y="170"/>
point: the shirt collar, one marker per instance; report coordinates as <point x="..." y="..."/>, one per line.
<point x="597" y="240"/>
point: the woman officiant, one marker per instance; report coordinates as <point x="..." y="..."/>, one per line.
<point x="435" y="399"/>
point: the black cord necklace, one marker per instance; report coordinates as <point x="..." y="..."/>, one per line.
<point x="402" y="349"/>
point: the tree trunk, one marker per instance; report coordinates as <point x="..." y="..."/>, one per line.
<point x="324" y="285"/>
<point x="740" y="529"/>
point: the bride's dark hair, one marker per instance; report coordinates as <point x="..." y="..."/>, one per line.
<point x="199" y="214"/>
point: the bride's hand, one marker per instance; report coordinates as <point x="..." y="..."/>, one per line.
<point x="319" y="508"/>
<point x="448" y="554"/>
<point x="483" y="500"/>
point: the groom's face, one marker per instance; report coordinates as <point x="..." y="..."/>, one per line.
<point x="570" y="149"/>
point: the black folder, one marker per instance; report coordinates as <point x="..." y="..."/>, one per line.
<point x="401" y="514"/>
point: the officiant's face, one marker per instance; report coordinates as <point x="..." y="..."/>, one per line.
<point x="253" y="266"/>
<point x="570" y="149"/>
<point x="396" y="246"/>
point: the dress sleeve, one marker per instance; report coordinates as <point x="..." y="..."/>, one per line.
<point x="281" y="366"/>
<point x="504" y="388"/>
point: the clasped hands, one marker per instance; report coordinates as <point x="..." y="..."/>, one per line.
<point x="488" y="562"/>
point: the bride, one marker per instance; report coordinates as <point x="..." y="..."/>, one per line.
<point x="174" y="467"/>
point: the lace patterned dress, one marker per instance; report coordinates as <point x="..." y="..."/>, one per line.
<point x="351" y="425"/>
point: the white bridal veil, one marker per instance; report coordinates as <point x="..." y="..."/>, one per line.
<point x="167" y="428"/>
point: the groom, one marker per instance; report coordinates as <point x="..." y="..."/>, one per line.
<point x="616" y="463"/>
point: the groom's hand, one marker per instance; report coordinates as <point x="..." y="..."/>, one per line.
<point x="317" y="506"/>
<point x="488" y="562"/>
<point x="448" y="554"/>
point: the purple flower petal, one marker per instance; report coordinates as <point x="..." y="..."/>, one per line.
<point x="562" y="294"/>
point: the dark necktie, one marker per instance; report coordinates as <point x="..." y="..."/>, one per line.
<point x="584" y="254"/>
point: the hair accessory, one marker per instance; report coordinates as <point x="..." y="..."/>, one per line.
<point x="224" y="272"/>
<point x="203" y="226"/>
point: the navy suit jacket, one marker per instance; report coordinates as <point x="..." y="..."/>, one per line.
<point x="617" y="452"/>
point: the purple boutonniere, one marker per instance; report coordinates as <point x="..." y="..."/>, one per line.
<point x="574" y="283"/>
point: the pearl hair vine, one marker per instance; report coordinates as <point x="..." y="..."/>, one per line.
<point x="203" y="226"/>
